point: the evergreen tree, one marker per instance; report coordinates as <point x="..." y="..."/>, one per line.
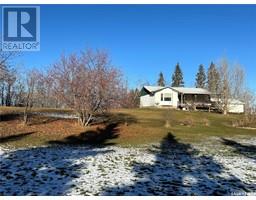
<point x="177" y="77"/>
<point x="201" y="77"/>
<point x="161" y="81"/>
<point x="213" y="77"/>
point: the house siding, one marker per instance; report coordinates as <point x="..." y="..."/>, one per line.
<point x="172" y="93"/>
<point x="147" y="101"/>
<point x="235" y="108"/>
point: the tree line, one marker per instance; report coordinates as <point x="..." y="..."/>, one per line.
<point x="90" y="84"/>
<point x="87" y="83"/>
<point x="225" y="81"/>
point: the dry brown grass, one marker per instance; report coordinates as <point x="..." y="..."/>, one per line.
<point x="245" y="121"/>
<point x="134" y="126"/>
<point x="187" y="121"/>
<point x="40" y="126"/>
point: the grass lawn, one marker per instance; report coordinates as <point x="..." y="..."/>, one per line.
<point x="126" y="127"/>
<point x="199" y="153"/>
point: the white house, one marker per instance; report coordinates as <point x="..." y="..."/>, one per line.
<point x="182" y="97"/>
<point x="158" y="96"/>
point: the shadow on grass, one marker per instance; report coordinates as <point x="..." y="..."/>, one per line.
<point x="179" y="169"/>
<point x="38" y="120"/>
<point x="114" y="118"/>
<point x="9" y="116"/>
<point x="99" y="137"/>
<point x="43" y="170"/>
<point x="14" y="137"/>
<point x="33" y="119"/>
<point x="246" y="150"/>
<point x="53" y="170"/>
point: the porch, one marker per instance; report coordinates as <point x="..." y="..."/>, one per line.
<point x="194" y="101"/>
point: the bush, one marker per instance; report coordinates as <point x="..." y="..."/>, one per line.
<point x="205" y="122"/>
<point x="248" y="120"/>
<point x="188" y="121"/>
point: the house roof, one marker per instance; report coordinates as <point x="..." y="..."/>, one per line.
<point x="184" y="90"/>
<point x="153" y="88"/>
<point x="230" y="101"/>
<point x="235" y="101"/>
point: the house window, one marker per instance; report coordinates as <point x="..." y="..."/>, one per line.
<point x="162" y="96"/>
<point x="167" y="97"/>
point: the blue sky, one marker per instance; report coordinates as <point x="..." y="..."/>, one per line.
<point x="146" y="39"/>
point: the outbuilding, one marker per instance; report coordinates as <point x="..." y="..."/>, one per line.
<point x="235" y="106"/>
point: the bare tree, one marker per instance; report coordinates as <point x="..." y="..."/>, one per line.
<point x="42" y="95"/>
<point x="232" y="84"/>
<point x="19" y="93"/>
<point x="7" y="76"/>
<point x="10" y="80"/>
<point x="88" y="83"/>
<point x="225" y="84"/>
<point x="237" y="84"/>
<point x="3" y="72"/>
<point x="130" y="98"/>
<point x="6" y="57"/>
<point x="31" y="82"/>
<point x="249" y="99"/>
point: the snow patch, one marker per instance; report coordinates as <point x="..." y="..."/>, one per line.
<point x="184" y="170"/>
